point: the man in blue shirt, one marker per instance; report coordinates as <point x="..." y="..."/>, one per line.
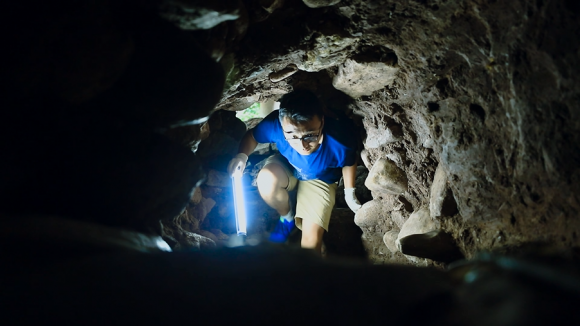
<point x="315" y="152"/>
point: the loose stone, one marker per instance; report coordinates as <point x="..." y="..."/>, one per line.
<point x="387" y="177"/>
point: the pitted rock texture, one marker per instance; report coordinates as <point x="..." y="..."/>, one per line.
<point x="387" y="178"/>
<point x="284" y="73"/>
<point x="390" y="239"/>
<point x="488" y="90"/>
<point x="441" y="203"/>
<point x="358" y="79"/>
<point x="419" y="222"/>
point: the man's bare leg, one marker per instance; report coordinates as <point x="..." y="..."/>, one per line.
<point x="312" y="236"/>
<point x="272" y="184"/>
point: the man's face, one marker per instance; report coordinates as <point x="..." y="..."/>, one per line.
<point x="304" y="137"/>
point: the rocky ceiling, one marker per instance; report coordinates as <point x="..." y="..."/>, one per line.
<point x="470" y="108"/>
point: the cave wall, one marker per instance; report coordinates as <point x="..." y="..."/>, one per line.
<point x="471" y="105"/>
<point x="486" y="90"/>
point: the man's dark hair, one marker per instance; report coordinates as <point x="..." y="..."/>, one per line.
<point x="300" y="106"/>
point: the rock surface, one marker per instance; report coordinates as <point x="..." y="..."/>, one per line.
<point x="327" y="51"/>
<point x="390" y="239"/>
<point x="218" y="179"/>
<point x="435" y="245"/>
<point x="320" y="3"/>
<point x="387" y="177"/>
<point x="369" y="214"/>
<point x="441" y="201"/>
<point x="382" y="133"/>
<point x="358" y="79"/>
<point x="419" y="222"/>
<point x="284" y="73"/>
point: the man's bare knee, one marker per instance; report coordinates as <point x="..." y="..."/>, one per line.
<point x="271" y="177"/>
<point x="266" y="181"/>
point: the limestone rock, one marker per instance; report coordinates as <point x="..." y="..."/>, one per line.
<point x="419" y="222"/>
<point x="364" y="154"/>
<point x="196" y="198"/>
<point x="217" y="150"/>
<point x="435" y="245"/>
<point x="420" y="237"/>
<point x="204" y="207"/>
<point x="320" y="3"/>
<point x="369" y="214"/>
<point x="441" y="202"/>
<point x="195" y="15"/>
<point x="218" y="179"/>
<point x="219" y="234"/>
<point x="252" y="123"/>
<point x="398" y="218"/>
<point x="358" y="79"/>
<point x="389" y="239"/>
<point x="185" y="221"/>
<point x="228" y="123"/>
<point x="208" y="235"/>
<point x="327" y="51"/>
<point x="284" y="73"/>
<point x="378" y="137"/>
<point x="194" y="241"/>
<point x="226" y="209"/>
<point x="386" y="177"/>
<point x="220" y="146"/>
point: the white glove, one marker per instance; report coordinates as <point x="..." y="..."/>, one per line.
<point x="351" y="199"/>
<point x="237" y="163"/>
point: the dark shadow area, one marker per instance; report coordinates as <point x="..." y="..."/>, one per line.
<point x="344" y="237"/>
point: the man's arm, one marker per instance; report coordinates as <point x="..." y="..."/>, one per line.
<point x="349" y="176"/>
<point x="247" y="146"/>
<point x="248" y="143"/>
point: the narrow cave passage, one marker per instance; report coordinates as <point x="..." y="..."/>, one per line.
<point x="119" y="120"/>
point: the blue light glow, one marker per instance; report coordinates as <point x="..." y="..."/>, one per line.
<point x="240" y="203"/>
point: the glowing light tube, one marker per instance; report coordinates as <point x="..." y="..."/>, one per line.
<point x="239" y="202"/>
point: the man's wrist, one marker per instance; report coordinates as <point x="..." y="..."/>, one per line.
<point x="243" y="156"/>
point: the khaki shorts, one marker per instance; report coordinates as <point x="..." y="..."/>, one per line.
<point x="314" y="198"/>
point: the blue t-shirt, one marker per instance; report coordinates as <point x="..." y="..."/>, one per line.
<point x="338" y="148"/>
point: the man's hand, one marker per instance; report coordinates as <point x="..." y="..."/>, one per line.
<point x="351" y="199"/>
<point x="237" y="163"/>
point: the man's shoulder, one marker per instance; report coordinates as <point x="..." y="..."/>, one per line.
<point x="267" y="130"/>
<point x="270" y="121"/>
